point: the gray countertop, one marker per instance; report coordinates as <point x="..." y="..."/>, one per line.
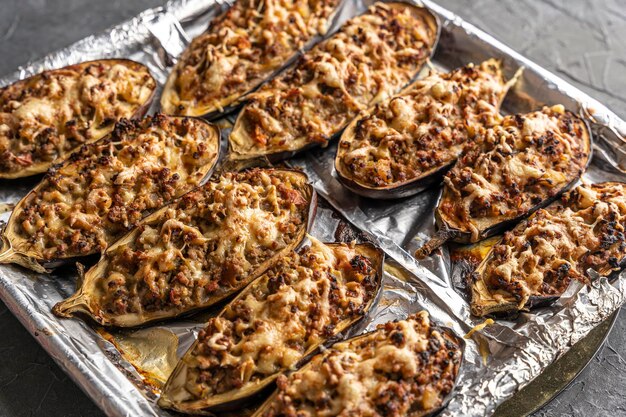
<point x="582" y="41"/>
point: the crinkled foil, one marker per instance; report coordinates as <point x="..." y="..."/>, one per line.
<point x="123" y="370"/>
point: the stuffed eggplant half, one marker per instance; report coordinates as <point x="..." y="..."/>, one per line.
<point x="102" y="190"/>
<point x="370" y="58"/>
<point x="580" y="237"/>
<point x="198" y="250"/>
<point x="515" y="168"/>
<point x="404" y="144"/>
<point x="241" y="49"/>
<point x="403" y="368"/>
<point x="305" y="299"/>
<point x="47" y="116"/>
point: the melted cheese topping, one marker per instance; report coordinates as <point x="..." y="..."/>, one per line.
<point x="514" y="167"/>
<point x="48" y="115"/>
<point x="206" y="245"/>
<point x="370" y="58"/>
<point x="298" y="303"/>
<point x="403" y="368"/>
<point x="424" y="128"/>
<point x="585" y="230"/>
<point x="105" y="188"/>
<point x="241" y="49"/>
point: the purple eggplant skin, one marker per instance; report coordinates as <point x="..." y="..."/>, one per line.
<point x="395" y="192"/>
<point x="447" y="333"/>
<point x="447" y="233"/>
<point x="431" y="19"/>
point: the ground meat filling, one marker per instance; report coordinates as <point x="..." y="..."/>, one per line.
<point x="514" y="167"/>
<point x="403" y="368"/>
<point x="48" y="115"/>
<point x="584" y="230"/>
<point x="424" y="128"/>
<point x="105" y="188"/>
<point x="206" y="244"/>
<point x="370" y="58"/>
<point x="301" y="301"/>
<point x="242" y="48"/>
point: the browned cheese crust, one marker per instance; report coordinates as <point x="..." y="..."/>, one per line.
<point x="514" y="167"/>
<point x="540" y="256"/>
<point x="301" y="301"/>
<point x="46" y="116"/>
<point x="404" y="368"/>
<point x="242" y="48"/>
<point x="103" y="189"/>
<point x="201" y="248"/>
<point x="370" y="58"/>
<point x="424" y="128"/>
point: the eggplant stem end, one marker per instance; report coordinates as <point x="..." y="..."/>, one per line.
<point x="68" y="307"/>
<point x="439" y="239"/>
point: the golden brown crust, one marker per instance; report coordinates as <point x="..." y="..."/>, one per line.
<point x="301" y="301"/>
<point x="370" y="58"/>
<point x="48" y="115"/>
<point x="514" y="167"/>
<point x="424" y="128"/>
<point x="241" y="49"/>
<point x="103" y="189"/>
<point x="205" y="246"/>
<point x="404" y="368"/>
<point x="585" y="230"/>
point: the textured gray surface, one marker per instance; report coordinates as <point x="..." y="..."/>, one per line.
<point x="581" y="40"/>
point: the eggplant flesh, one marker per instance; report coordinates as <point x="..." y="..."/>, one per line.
<point x="311" y="102"/>
<point x="407" y="143"/>
<point x="45" y="117"/>
<point x="382" y="355"/>
<point x="234" y="56"/>
<point x="302" y="302"/>
<point x="532" y="265"/>
<point x="515" y="168"/>
<point x="96" y="195"/>
<point x="198" y="250"/>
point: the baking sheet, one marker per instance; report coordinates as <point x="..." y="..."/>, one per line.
<point x="498" y="361"/>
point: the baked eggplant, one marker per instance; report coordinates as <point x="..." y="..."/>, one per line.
<point x="301" y="302"/>
<point x="535" y="262"/>
<point x="403" y="368"/>
<point x="408" y="142"/>
<point x="242" y="48"/>
<point x="47" y="116"/>
<point x="102" y="190"/>
<point x="371" y="57"/>
<point x="198" y="250"/>
<point x="515" y="168"/>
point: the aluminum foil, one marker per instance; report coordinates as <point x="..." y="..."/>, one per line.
<point x="122" y="371"/>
